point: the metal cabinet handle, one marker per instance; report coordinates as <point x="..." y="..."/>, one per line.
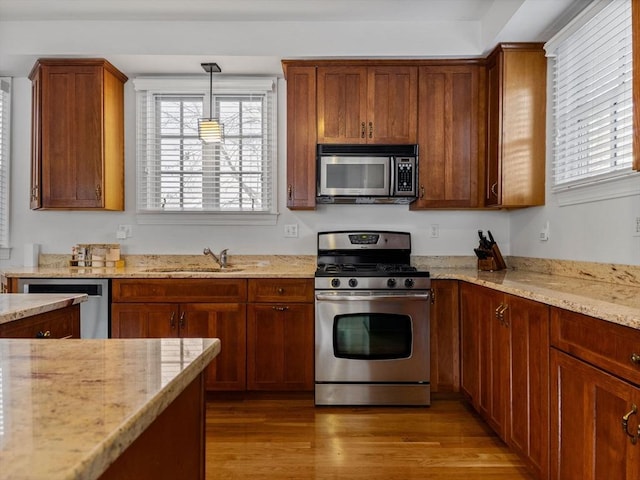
<point x="280" y="309"/>
<point x="41" y="334"/>
<point x="494" y="189"/>
<point x="98" y="192"/>
<point x="290" y="192"/>
<point x="625" y="425"/>
<point x="500" y="314"/>
<point x="433" y="296"/>
<point x="172" y="320"/>
<point x="280" y="290"/>
<point x="421" y="191"/>
<point x="370" y="129"/>
<point x="182" y="319"/>
<point x="363" y="130"/>
<point x="635" y="359"/>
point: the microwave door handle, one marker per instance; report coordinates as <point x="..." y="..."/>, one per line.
<point x="392" y="176"/>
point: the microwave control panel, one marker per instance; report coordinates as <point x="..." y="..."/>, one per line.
<point x="405" y="175"/>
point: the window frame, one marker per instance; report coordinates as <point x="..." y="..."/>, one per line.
<point x="5" y="166"/>
<point x="598" y="187"/>
<point x="222" y="86"/>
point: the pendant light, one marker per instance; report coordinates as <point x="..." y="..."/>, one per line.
<point x="210" y="130"/>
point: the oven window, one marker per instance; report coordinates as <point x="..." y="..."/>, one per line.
<point x="372" y="336"/>
<point x="355" y="175"/>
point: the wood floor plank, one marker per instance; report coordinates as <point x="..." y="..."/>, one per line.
<point x="287" y="437"/>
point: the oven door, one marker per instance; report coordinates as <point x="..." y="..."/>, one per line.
<point x="372" y="337"/>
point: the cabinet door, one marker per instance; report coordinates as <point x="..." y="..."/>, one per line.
<point x="450" y="137"/>
<point x="528" y="422"/>
<point x="36" y="144"/>
<point x="469" y="343"/>
<point x="144" y="320"/>
<point x="392" y="113"/>
<point x="301" y="137"/>
<point x="516" y="96"/>
<point x="71" y="128"/>
<point x="494" y="359"/>
<point x="445" y="336"/>
<point x="588" y="438"/>
<point x="342" y="104"/>
<point x="226" y="321"/>
<point x="280" y="347"/>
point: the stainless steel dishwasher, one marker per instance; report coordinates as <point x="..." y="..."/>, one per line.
<point x="94" y="313"/>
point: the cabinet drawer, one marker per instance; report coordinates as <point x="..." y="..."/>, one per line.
<point x="281" y="290"/>
<point x="183" y="290"/>
<point x="614" y="348"/>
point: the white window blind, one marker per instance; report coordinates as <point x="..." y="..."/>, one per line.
<point x="177" y="173"/>
<point x="5" y="123"/>
<point x="592" y="98"/>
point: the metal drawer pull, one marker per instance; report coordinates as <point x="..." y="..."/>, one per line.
<point x="635" y="359"/>
<point x="280" y="290"/>
<point x="363" y="130"/>
<point x="172" y="320"/>
<point x="625" y="424"/>
<point x="182" y="319"/>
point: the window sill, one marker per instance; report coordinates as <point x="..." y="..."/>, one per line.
<point x="618" y="187"/>
<point x="182" y="218"/>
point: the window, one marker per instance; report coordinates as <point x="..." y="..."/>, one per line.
<point x="178" y="174"/>
<point x="5" y="110"/>
<point x="592" y="97"/>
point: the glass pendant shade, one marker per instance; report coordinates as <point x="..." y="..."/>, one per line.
<point x="210" y="130"/>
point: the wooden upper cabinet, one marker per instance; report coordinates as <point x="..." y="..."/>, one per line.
<point x="301" y="136"/>
<point x="450" y="136"/>
<point x="516" y="125"/>
<point x="375" y="104"/>
<point x="77" y="135"/>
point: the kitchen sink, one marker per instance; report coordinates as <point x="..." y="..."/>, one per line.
<point x="192" y="270"/>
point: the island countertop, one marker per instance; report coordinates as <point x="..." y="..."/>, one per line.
<point x="14" y="306"/>
<point x="70" y="408"/>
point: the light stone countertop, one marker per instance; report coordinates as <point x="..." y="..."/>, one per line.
<point x="575" y="286"/>
<point x="14" y="306"/>
<point x="71" y="407"/>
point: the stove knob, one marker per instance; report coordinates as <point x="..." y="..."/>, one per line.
<point x="353" y="283"/>
<point x="408" y="282"/>
<point x="391" y="282"/>
<point x="335" y="282"/>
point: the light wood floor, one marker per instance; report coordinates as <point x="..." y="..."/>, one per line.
<point x="276" y="437"/>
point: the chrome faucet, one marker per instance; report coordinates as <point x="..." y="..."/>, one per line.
<point x="221" y="259"/>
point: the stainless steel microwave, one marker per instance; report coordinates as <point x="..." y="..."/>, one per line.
<point x="367" y="173"/>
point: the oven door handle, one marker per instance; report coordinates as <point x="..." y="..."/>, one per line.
<point x="373" y="298"/>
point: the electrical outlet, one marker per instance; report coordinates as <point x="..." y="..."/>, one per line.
<point x="291" y="231"/>
<point x="544" y="233"/>
<point x="435" y="230"/>
<point x="123" y="232"/>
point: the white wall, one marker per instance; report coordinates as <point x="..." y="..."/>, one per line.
<point x="58" y="231"/>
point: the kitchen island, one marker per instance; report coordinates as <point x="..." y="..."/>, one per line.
<point x="103" y="408"/>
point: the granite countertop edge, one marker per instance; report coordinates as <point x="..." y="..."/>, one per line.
<point x="613" y="302"/>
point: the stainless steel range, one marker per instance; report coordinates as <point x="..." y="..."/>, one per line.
<point x="372" y="321"/>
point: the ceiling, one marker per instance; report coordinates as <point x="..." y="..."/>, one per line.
<point x="246" y="10"/>
<point x="252" y="36"/>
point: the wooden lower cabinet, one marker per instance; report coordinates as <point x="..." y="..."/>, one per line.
<point x="588" y="438"/>
<point x="445" y="336"/>
<point x="172" y="447"/>
<point x="595" y="378"/>
<point x="62" y="323"/>
<point x="280" y="335"/>
<point x="155" y="308"/>
<point x="226" y="321"/>
<point x="505" y="368"/>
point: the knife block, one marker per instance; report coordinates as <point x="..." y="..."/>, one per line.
<point x="493" y="263"/>
<point x="487" y="264"/>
